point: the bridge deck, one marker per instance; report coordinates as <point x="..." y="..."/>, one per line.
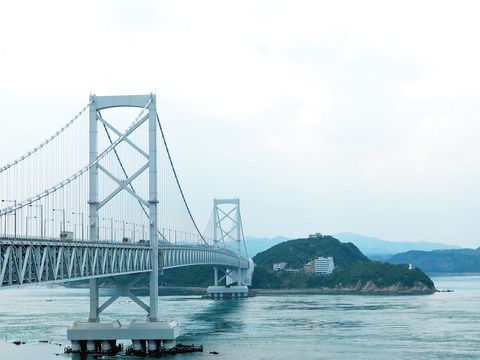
<point x="28" y="261"/>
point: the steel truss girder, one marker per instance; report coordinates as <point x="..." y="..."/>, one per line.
<point x="24" y="262"/>
<point x="41" y="261"/>
<point x="177" y="256"/>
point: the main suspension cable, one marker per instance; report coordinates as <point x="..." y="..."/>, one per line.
<point x="178" y="182"/>
<point x="8" y="166"/>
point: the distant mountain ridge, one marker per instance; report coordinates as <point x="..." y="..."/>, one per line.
<point x="368" y="245"/>
<point x="374" y="246"/>
<point x="455" y="261"/>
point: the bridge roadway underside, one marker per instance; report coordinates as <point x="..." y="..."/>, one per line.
<point x="39" y="261"/>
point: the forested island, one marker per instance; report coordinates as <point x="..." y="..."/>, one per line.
<point x="353" y="273"/>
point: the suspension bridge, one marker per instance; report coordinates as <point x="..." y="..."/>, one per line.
<point x="94" y="202"/>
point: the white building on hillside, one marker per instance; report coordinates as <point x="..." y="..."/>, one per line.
<point x="324" y="265"/>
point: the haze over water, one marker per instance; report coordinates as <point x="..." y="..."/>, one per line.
<point x="439" y="326"/>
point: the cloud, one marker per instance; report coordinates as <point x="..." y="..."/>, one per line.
<point x="368" y="108"/>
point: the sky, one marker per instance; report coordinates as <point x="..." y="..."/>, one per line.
<point x="320" y="116"/>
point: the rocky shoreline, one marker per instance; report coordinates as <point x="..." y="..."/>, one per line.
<point x="368" y="288"/>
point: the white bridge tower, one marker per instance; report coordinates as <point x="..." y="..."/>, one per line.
<point x="93" y="335"/>
<point x="227" y="230"/>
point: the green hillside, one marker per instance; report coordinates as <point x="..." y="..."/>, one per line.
<point x="353" y="270"/>
<point x="298" y="252"/>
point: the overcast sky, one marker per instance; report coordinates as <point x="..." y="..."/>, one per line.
<point x="321" y="116"/>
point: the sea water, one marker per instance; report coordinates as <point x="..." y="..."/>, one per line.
<point x="445" y="325"/>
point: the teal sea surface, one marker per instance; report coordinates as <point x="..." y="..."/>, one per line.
<point x="445" y="325"/>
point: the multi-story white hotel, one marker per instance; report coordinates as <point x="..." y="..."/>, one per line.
<point x="324" y="265"/>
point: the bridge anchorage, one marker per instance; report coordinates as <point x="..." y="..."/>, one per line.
<point x="123" y="189"/>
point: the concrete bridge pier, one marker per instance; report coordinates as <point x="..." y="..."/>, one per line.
<point x="146" y="335"/>
<point x="231" y="276"/>
<point x="231" y="292"/>
<point x="87" y="337"/>
<point x="233" y="288"/>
